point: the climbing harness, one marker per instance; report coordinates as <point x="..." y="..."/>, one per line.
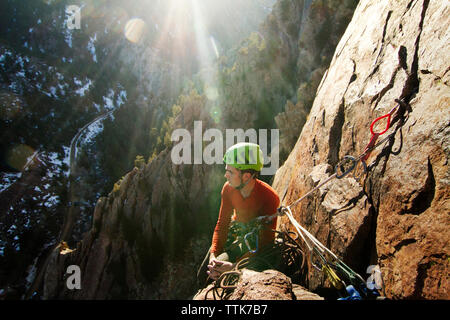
<point x="242" y="237"/>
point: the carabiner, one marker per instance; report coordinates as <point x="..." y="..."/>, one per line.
<point x="248" y="244"/>
<point x="345" y="166"/>
<point x="364" y="170"/>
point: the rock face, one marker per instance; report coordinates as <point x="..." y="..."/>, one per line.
<point x="397" y="215"/>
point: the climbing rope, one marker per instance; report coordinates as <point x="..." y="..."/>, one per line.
<point x="224" y="286"/>
<point x="330" y="263"/>
<point x="289" y="251"/>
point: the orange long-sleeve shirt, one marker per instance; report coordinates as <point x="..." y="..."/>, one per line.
<point x="263" y="200"/>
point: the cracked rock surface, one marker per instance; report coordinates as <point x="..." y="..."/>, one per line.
<point x="266" y="285"/>
<point x="396" y="215"/>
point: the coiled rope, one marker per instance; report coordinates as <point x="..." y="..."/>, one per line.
<point x="290" y="253"/>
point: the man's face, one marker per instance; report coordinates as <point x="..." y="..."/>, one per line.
<point x="233" y="176"/>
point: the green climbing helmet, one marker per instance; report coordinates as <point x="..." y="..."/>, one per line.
<point x="244" y="156"/>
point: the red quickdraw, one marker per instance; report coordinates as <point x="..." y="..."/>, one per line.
<point x="375" y="135"/>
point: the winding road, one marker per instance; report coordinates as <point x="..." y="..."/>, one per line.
<point x="72" y="212"/>
<point x="73" y="197"/>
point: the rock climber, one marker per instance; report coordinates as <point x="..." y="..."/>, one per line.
<point x="243" y="198"/>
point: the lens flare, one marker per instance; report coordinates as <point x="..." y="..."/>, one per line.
<point x="10" y="106"/>
<point x="134" y="30"/>
<point x="18" y="155"/>
<point x="211" y="93"/>
<point x="214" y="45"/>
<point x="216" y="113"/>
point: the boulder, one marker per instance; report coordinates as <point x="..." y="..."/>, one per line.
<point x="265" y="285"/>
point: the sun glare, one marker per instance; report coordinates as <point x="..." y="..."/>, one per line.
<point x="134" y="29"/>
<point x="180" y="31"/>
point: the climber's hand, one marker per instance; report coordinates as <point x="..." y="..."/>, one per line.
<point x="217" y="267"/>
